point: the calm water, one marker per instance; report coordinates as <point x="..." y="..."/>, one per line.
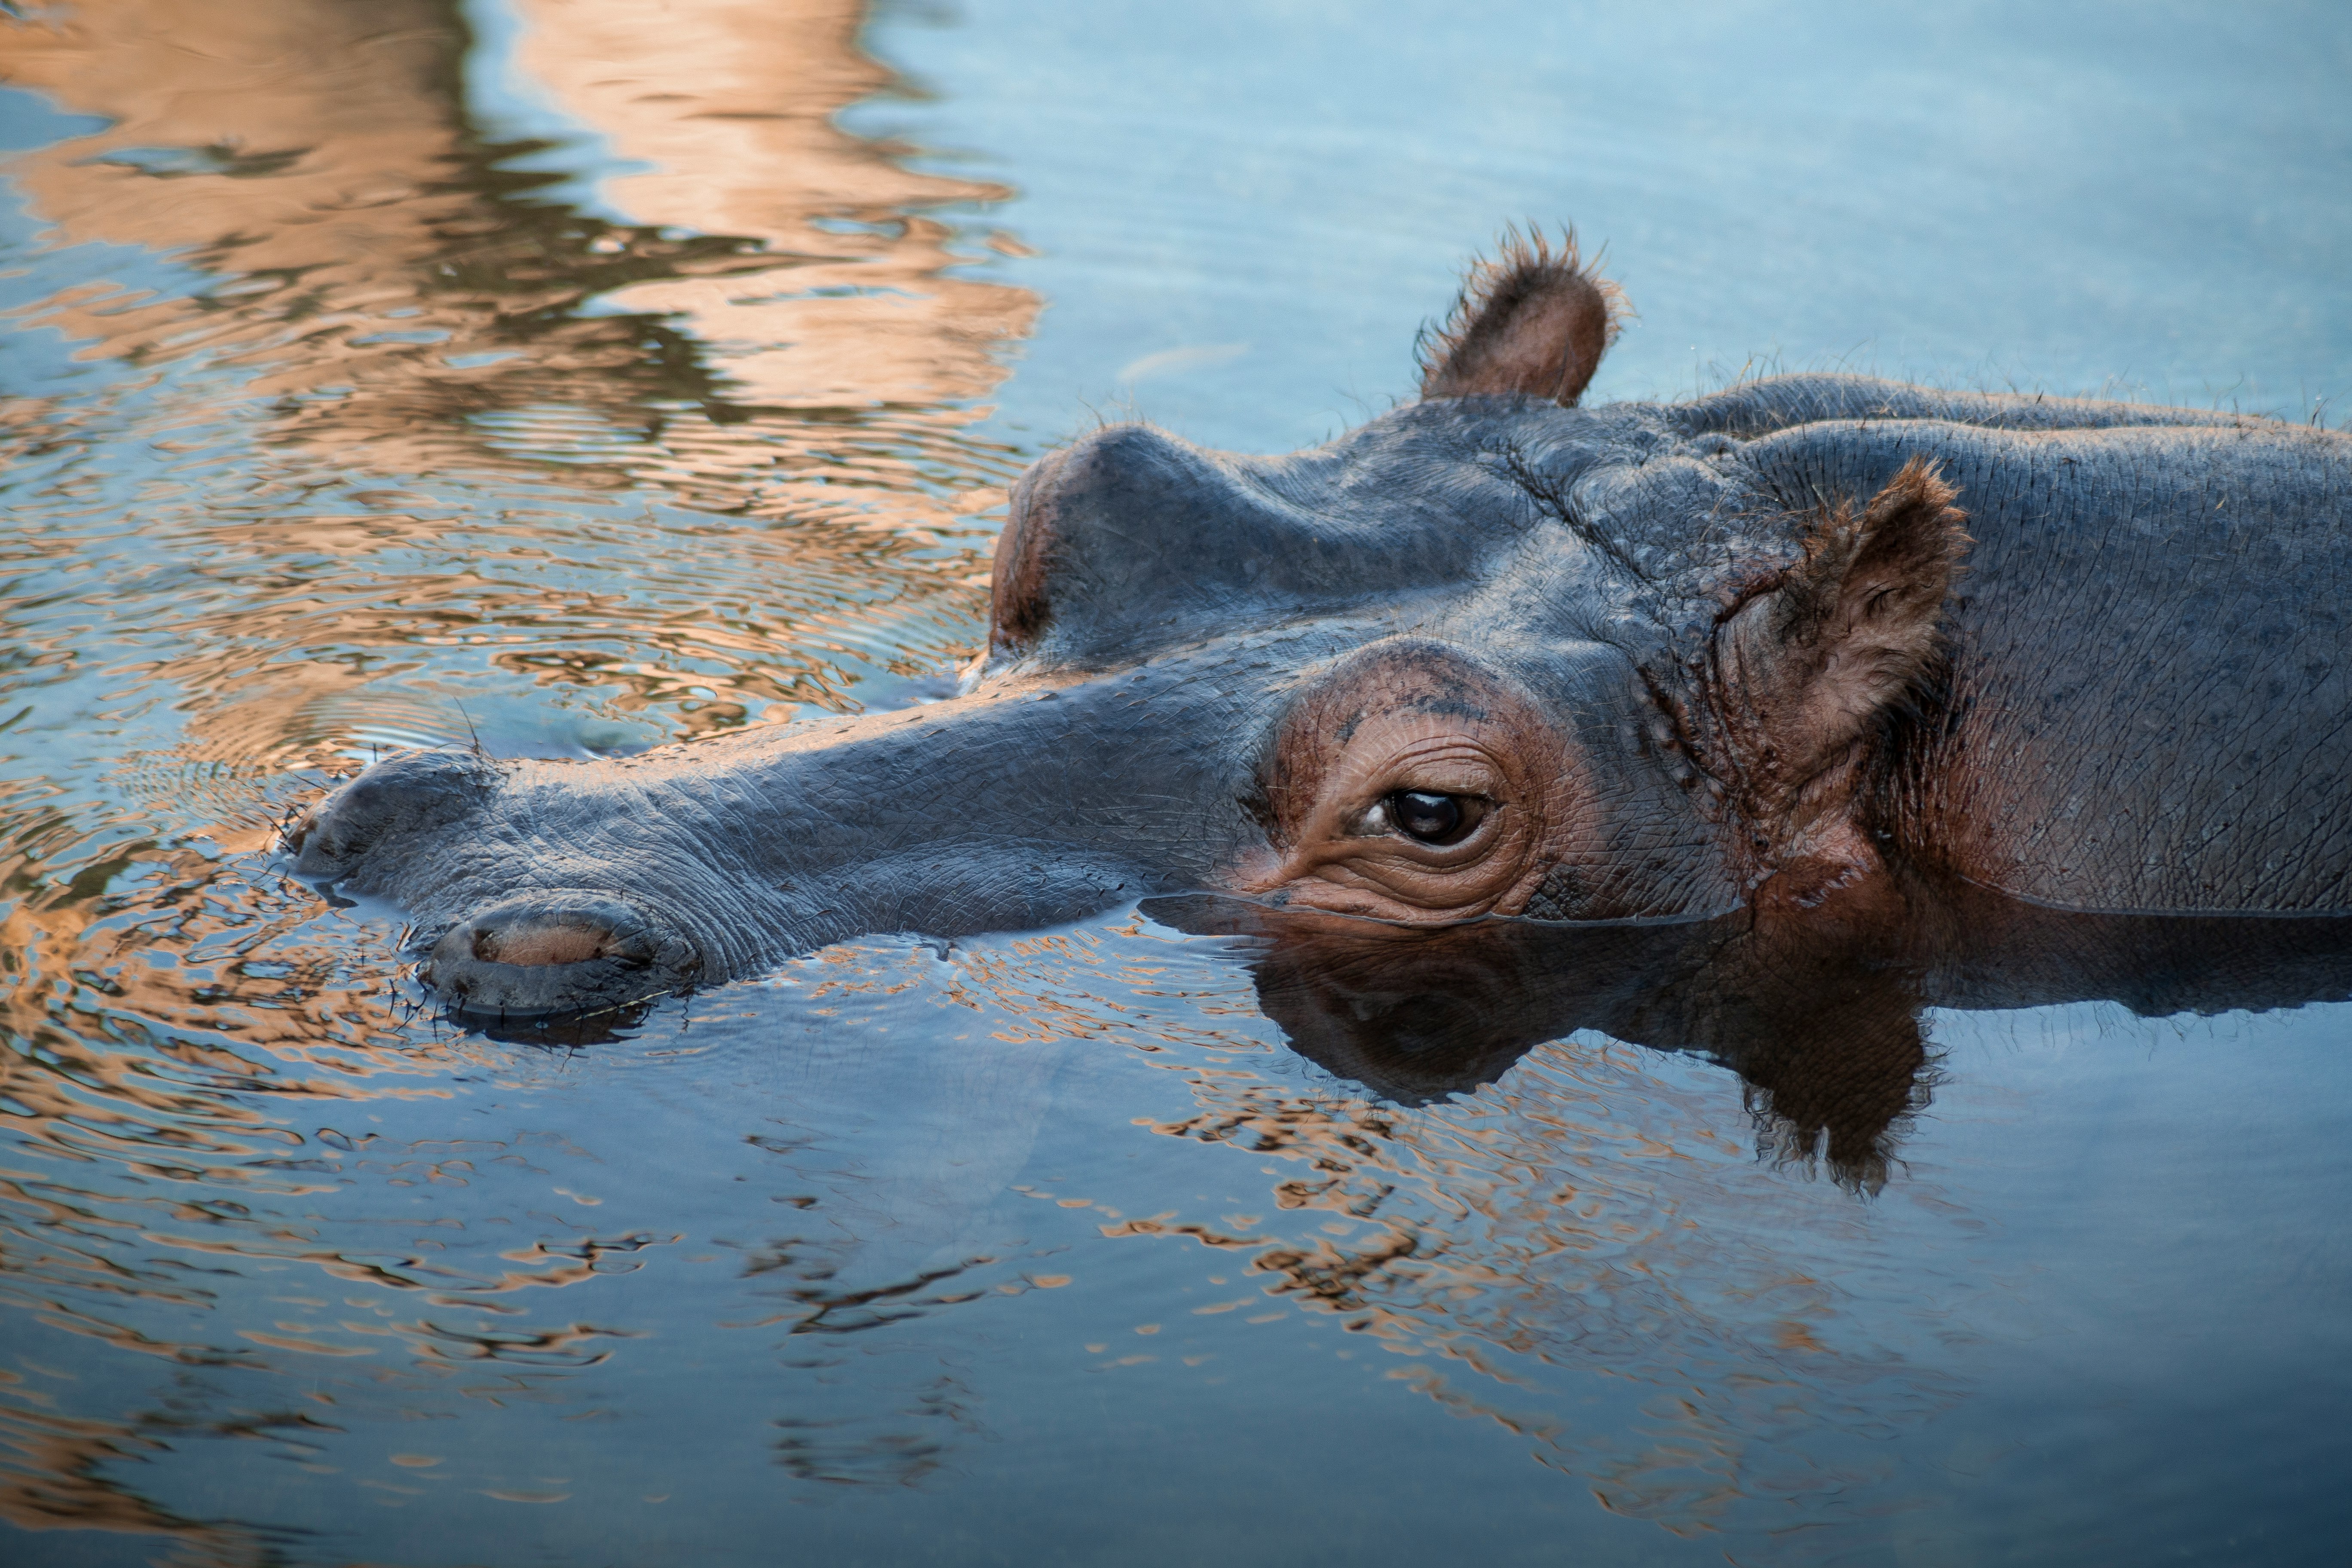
<point x="580" y="375"/>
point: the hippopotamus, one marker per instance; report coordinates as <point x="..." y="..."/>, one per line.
<point x="1803" y="651"/>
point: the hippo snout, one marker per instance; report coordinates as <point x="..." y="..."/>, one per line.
<point x="551" y="955"/>
<point x="436" y="832"/>
<point x="399" y="797"/>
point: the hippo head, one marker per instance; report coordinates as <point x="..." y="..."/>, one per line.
<point x="1490" y="655"/>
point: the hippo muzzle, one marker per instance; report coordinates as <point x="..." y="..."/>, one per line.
<point x="547" y="888"/>
<point x="548" y="955"/>
<point x="548" y="952"/>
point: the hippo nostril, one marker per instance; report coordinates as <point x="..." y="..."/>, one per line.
<point x="541" y="956"/>
<point x="563" y="943"/>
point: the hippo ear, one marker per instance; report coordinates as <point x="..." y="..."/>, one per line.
<point x="1850" y="636"/>
<point x="1534" y="322"/>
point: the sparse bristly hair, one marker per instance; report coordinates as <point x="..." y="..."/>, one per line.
<point x="1533" y="321"/>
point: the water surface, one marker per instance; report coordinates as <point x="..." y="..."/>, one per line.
<point x="566" y="377"/>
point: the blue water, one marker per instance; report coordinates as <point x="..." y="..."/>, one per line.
<point x="2138" y="201"/>
<point x="370" y="389"/>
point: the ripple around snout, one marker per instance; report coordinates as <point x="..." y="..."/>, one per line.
<point x="558" y="956"/>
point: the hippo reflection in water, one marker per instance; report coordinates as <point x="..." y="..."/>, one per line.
<point x="1813" y="652"/>
<point x="1822" y="1026"/>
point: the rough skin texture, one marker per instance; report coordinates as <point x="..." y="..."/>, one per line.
<point x="1821" y="654"/>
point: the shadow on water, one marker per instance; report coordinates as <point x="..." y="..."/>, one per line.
<point x="348" y="413"/>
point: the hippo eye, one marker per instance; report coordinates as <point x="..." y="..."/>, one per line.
<point x="1431" y="819"/>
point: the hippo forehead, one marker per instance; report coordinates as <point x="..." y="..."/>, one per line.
<point x="1521" y="518"/>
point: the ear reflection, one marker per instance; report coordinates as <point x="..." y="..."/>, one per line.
<point x="1823" y="1025"/>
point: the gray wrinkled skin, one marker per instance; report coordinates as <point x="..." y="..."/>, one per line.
<point x="2145" y="709"/>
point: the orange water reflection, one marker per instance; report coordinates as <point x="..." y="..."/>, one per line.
<point x="376" y="428"/>
<point x="378" y="303"/>
<point x="321" y="158"/>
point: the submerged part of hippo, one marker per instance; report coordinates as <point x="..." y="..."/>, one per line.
<point x="1812" y="647"/>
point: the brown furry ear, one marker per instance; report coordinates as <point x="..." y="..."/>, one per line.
<point x="1848" y="633"/>
<point x="1532" y="321"/>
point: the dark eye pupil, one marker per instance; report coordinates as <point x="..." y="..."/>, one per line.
<point x="1432" y="819"/>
